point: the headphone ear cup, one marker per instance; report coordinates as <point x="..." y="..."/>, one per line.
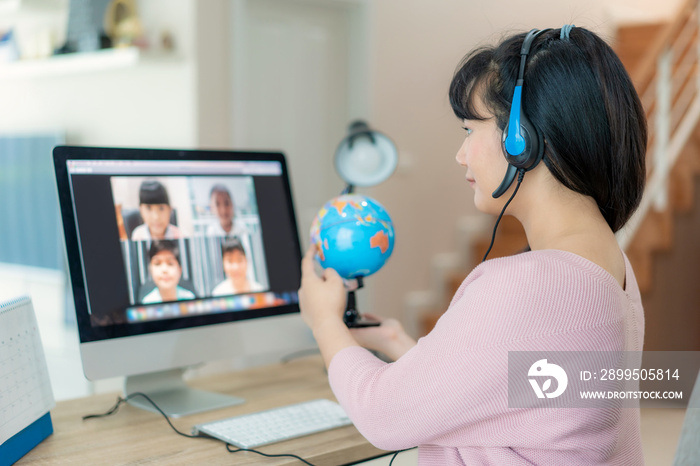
<point x="534" y="146"/>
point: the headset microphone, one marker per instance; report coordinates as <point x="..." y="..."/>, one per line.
<point x="511" y="171"/>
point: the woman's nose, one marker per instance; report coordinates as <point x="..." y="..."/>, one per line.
<point x="461" y="156"/>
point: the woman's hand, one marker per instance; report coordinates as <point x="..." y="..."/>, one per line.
<point x="389" y="338"/>
<point x="321" y="299"/>
<point x="322" y="302"/>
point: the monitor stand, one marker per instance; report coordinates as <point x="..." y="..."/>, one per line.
<point x="168" y="390"/>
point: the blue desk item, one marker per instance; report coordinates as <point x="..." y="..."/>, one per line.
<point x="25" y="388"/>
<point x="22" y="442"/>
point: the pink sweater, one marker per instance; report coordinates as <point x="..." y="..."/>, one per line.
<point x="448" y="394"/>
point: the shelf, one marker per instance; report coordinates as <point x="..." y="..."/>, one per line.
<point x="74" y="63"/>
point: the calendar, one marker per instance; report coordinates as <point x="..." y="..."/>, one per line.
<point x="25" y="388"/>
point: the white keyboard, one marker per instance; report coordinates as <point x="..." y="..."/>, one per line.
<point x="275" y="425"/>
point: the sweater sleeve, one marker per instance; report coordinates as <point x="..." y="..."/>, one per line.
<point x="452" y="386"/>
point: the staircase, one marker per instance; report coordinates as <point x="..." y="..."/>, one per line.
<point x="668" y="83"/>
<point x="664" y="63"/>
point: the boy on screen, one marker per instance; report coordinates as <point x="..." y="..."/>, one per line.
<point x="164" y="266"/>
<point x="236" y="270"/>
<point x="155" y="210"/>
<point x="221" y="204"/>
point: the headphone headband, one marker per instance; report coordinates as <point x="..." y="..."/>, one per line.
<point x="525" y="51"/>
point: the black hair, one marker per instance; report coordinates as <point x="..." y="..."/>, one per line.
<point x="220" y="188"/>
<point x="153" y="192"/>
<point x="160" y="245"/>
<point x="578" y="95"/>
<point x="232" y="244"/>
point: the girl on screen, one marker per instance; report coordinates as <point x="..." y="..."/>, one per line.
<point x="572" y="291"/>
<point x="155" y="210"/>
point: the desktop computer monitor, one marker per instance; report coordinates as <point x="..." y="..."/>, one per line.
<point x="178" y="258"/>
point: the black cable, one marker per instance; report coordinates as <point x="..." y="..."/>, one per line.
<point x="230" y="449"/>
<point x="121" y="400"/>
<point x="394" y="457"/>
<point x="396" y="453"/>
<point x="521" y="175"/>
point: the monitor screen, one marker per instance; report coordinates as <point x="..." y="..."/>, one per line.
<point x="161" y="240"/>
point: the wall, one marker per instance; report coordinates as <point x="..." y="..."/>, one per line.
<point x="671" y="306"/>
<point x="213" y="85"/>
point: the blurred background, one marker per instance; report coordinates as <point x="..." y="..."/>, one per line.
<point x="287" y="75"/>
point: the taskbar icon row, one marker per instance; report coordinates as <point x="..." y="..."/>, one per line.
<point x="205" y="306"/>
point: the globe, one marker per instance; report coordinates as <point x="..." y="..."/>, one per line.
<point x="352" y="234"/>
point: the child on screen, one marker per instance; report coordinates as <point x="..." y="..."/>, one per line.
<point x="236" y="270"/>
<point x="221" y="204"/>
<point x="155" y="210"/>
<point x="165" y="269"/>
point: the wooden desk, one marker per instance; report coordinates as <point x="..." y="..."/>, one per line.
<point x="135" y="436"/>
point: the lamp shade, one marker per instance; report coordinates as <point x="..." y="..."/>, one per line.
<point x="365" y="157"/>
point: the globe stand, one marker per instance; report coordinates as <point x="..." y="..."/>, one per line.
<point x="352" y="317"/>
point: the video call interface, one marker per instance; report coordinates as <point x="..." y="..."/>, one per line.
<point x="179" y="239"/>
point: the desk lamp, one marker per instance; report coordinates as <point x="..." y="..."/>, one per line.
<point x="365" y="157"/>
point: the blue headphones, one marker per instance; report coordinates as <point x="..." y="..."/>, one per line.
<point x="523" y="145"/>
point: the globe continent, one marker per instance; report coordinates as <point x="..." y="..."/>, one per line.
<point x="353" y="234"/>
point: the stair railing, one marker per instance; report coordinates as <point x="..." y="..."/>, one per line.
<point x="668" y="83"/>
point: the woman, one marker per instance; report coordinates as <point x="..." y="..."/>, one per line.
<point x="573" y="291"/>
